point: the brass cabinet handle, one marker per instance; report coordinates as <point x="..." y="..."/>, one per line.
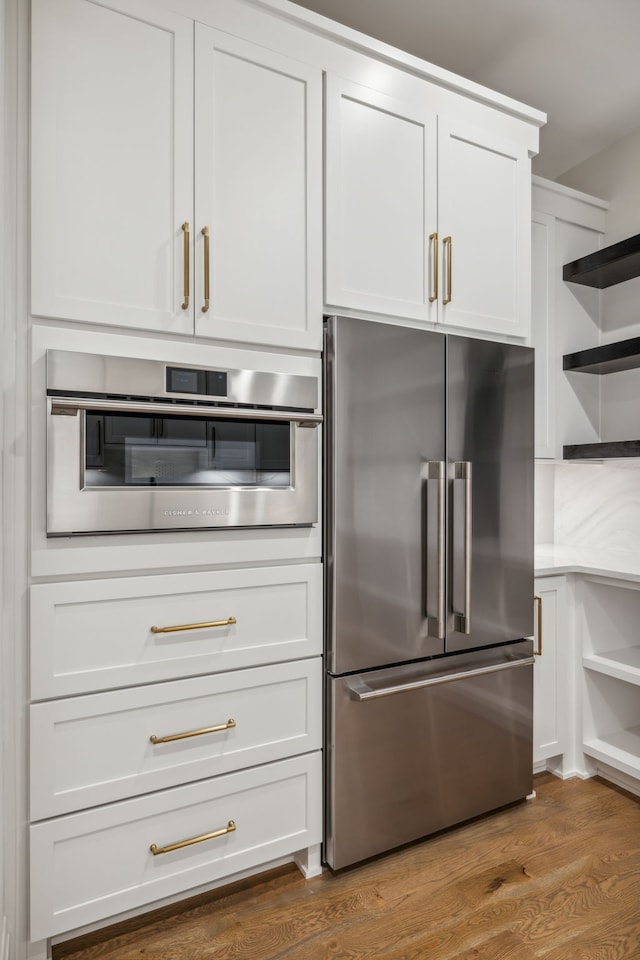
<point x="434" y="238"/>
<point x="194" y="626"/>
<point x="538" y="650"/>
<point x="447" y="243"/>
<point x="230" y="827"/>
<point x="205" y="234"/>
<point x="185" y="235"/>
<point x="229" y="725"/>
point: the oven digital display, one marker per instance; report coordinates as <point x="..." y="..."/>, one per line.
<point x="204" y="383"/>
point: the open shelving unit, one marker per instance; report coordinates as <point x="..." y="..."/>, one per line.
<point x="604" y="268"/>
<point x="611" y="661"/>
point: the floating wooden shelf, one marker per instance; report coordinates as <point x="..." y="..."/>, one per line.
<point x="609" y="450"/>
<point x="608" y="358"/>
<point x="614" y="264"/>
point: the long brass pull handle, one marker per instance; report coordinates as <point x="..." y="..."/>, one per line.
<point x="185" y="241"/>
<point x="229" y="725"/>
<point x="538" y="649"/>
<point x="205" y="234"/>
<point x="194" y="626"/>
<point x="433" y="237"/>
<point x="230" y="827"/>
<point x="449" y="247"/>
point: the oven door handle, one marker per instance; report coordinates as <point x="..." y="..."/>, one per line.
<point x="69" y="406"/>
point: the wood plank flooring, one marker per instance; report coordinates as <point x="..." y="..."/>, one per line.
<point x="555" y="877"/>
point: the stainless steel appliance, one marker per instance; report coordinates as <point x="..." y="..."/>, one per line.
<point x="429" y="573"/>
<point x="137" y="445"/>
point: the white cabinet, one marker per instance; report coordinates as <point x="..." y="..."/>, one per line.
<point x="565" y="225"/>
<point x="551" y="674"/>
<point x="426" y="218"/>
<point x="111" y="163"/>
<point x="543" y="288"/>
<point x="181" y="710"/>
<point x="608" y="613"/>
<point x="124" y="232"/>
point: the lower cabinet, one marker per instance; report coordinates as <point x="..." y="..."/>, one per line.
<point x="176" y="734"/>
<point x="113" y="858"/>
<point x="551" y="674"/>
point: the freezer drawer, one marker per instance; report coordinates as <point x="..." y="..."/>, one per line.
<point x="414" y="749"/>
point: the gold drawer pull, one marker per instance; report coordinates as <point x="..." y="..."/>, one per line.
<point x="538" y="650"/>
<point x="185" y="281"/>
<point x="229" y="725"/>
<point x="433" y="237"/>
<point x="230" y="827"/>
<point x="205" y="234"/>
<point x="447" y="244"/>
<point x="195" y="626"/>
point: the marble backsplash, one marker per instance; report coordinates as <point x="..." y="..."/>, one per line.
<point x="589" y="504"/>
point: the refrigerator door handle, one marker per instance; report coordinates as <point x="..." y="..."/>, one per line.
<point x="462" y="532"/>
<point x="435" y="544"/>
<point x="360" y="690"/>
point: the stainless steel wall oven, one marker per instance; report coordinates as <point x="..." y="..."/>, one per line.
<point x="139" y="445"/>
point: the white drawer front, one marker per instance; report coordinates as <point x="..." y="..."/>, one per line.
<point x="92" y="865"/>
<point x="96" y="635"/>
<point x="96" y="749"/>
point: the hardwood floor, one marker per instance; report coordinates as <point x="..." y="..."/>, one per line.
<point x="555" y="877"/>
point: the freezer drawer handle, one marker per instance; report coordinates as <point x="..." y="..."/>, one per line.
<point x="462" y="530"/>
<point x="362" y="691"/>
<point x="230" y="827"/>
<point x="194" y="626"/>
<point x="229" y="725"/>
<point x="434" y="561"/>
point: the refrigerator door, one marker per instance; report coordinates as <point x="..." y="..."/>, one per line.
<point x="490" y="447"/>
<point x="414" y="749"/>
<point x="385" y="494"/>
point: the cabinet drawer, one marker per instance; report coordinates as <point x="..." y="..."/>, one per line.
<point x="96" y="749"/>
<point x="92" y="865"/>
<point x="96" y="635"/>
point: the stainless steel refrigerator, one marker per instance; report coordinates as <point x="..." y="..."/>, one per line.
<point x="429" y="582"/>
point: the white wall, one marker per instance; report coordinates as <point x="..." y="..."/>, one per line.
<point x="613" y="175"/>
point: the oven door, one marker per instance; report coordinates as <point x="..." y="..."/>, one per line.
<point x="117" y="466"/>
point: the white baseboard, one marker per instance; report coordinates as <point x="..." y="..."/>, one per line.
<point x="618" y="778"/>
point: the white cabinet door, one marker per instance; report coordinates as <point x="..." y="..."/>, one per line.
<point x="380" y="202"/>
<point x="484" y="223"/>
<point x="258" y="118"/>
<point x="551" y="673"/>
<point x="111" y="163"/>
<point x="543" y="286"/>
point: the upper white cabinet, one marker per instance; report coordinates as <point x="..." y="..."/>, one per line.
<point x="565" y="317"/>
<point x="124" y="230"/>
<point x="111" y="164"/>
<point x="426" y="218"/>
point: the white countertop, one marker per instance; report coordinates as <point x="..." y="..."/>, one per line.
<point x="621" y="564"/>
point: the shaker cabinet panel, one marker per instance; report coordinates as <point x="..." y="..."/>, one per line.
<point x="551" y="671"/>
<point x="426" y="218"/>
<point x="381" y="180"/>
<point x="176" y="187"/>
<point x="484" y="207"/>
<point x="258" y="127"/>
<point x="97" y="635"/>
<point x="108" y="746"/>
<point x="111" y="163"/>
<point x="97" y="863"/>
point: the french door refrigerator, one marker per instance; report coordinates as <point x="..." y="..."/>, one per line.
<point x="429" y="582"/>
